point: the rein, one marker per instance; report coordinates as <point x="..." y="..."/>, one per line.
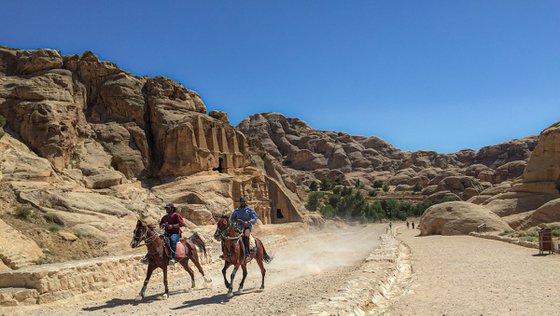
<point x="147" y="241"/>
<point x="225" y="230"/>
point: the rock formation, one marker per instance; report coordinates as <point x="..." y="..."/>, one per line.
<point x="294" y="153"/>
<point x="459" y="218"/>
<point x="95" y="147"/>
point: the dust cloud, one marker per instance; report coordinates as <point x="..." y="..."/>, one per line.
<point x="315" y="252"/>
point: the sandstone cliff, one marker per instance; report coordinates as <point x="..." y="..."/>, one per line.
<point x="294" y="153"/>
<point x="94" y="146"/>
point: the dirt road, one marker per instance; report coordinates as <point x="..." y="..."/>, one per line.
<point x="312" y="268"/>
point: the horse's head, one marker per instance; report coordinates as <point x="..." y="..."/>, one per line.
<point x="139" y="234"/>
<point x="222" y="226"/>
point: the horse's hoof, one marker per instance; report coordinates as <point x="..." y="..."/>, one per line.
<point x="240" y="291"/>
<point x="229" y="294"/>
<point x="138" y="298"/>
<point x="163" y="297"/>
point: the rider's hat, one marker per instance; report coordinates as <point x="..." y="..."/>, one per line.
<point x="170" y="206"/>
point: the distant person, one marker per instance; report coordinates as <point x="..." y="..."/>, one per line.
<point x="412" y="225"/>
<point x="407" y="225"/>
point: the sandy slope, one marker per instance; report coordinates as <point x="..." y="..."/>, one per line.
<point x="310" y="271"/>
<point x="463" y="275"/>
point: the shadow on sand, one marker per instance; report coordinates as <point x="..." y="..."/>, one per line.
<point x="216" y="299"/>
<point x="116" y="302"/>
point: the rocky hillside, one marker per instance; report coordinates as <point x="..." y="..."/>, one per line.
<point x="89" y="147"/>
<point x="296" y="154"/>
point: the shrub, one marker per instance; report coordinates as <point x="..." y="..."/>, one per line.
<point x="313" y="186"/>
<point x="346" y="191"/>
<point x="385" y="188"/>
<point x="53" y="218"/>
<point x="328" y="211"/>
<point x="378" y="184"/>
<point x="313" y="201"/>
<point x="337" y="189"/>
<point x="334" y="199"/>
<point x="372" y="193"/>
<point x="417" y="187"/>
<point x="23" y="212"/>
<point x="327" y="184"/>
<point x="54" y="228"/>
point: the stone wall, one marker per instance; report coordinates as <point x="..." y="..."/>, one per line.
<point x="47" y="283"/>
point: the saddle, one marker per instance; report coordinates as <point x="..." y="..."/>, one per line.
<point x="180" y="249"/>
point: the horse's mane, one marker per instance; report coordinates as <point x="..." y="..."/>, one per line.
<point x="151" y="226"/>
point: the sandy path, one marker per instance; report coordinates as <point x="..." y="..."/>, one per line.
<point x="463" y="275"/>
<point x="298" y="277"/>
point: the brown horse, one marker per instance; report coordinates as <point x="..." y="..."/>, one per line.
<point x="234" y="253"/>
<point x="158" y="258"/>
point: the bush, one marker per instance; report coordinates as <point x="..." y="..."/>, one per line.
<point x="54" y="228"/>
<point x="417" y="187"/>
<point x="346" y="191"/>
<point x="313" y="201"/>
<point x="337" y="189"/>
<point x="372" y="193"/>
<point x="378" y="184"/>
<point x="313" y="186"/>
<point x="23" y="212"/>
<point x="328" y="211"/>
<point x="334" y="199"/>
<point x="53" y="218"/>
<point x="385" y="188"/>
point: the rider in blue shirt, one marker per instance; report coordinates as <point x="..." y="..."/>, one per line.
<point x="246" y="217"/>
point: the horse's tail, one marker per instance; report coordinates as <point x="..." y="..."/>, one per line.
<point x="266" y="257"/>
<point x="199" y="242"/>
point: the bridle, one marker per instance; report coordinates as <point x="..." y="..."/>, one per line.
<point x="144" y="237"/>
<point x="222" y="233"/>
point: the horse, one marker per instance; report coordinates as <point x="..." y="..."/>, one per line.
<point x="234" y="253"/>
<point x="160" y="259"/>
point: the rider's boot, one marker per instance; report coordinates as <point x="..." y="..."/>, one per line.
<point x="247" y="251"/>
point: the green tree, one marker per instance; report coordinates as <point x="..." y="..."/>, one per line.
<point x="372" y="193"/>
<point x="334" y="199"/>
<point x="313" y="201"/>
<point x="313" y="186"/>
<point x="328" y="211"/>
<point x="346" y="191"/>
<point x="326" y="184"/>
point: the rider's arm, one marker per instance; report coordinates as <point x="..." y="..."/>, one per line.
<point x="254" y="217"/>
<point x="162" y="223"/>
<point x="233" y="216"/>
<point x="181" y="221"/>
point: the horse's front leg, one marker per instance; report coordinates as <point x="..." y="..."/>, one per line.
<point x="230" y="291"/>
<point x="166" y="294"/>
<point x="244" y="267"/>
<point x="148" y="276"/>
<point x="224" y="270"/>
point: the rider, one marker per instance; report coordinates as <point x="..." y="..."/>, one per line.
<point x="172" y="223"/>
<point x="246" y="217"/>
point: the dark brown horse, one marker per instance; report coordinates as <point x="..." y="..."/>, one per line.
<point x="234" y="253"/>
<point x="158" y="258"/>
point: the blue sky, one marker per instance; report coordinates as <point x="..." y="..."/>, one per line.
<point x="440" y="75"/>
